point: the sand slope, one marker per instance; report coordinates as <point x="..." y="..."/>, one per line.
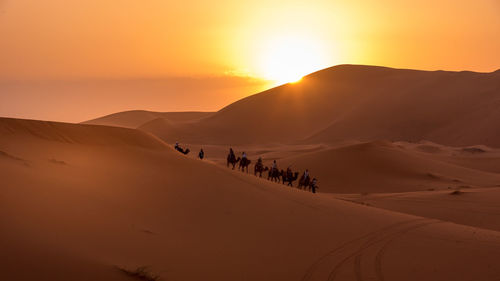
<point x="84" y="206"/>
<point x="75" y="133"/>
<point x="361" y="103"/>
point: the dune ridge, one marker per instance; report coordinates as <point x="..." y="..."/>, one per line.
<point x="77" y="133"/>
<point x="382" y="166"/>
<point x="355" y="102"/>
<point x="135" y="118"/>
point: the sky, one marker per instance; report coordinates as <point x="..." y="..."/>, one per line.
<point x="251" y="45"/>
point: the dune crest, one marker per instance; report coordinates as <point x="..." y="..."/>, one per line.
<point x="356" y="102"/>
<point x="135" y="118"/>
<point x="77" y="133"/>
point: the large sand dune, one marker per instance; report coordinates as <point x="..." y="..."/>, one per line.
<point x="78" y="201"/>
<point x="357" y="103"/>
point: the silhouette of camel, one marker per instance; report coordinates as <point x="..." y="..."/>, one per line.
<point x="244" y="163"/>
<point x="274" y="175"/>
<point x="304" y="182"/>
<point x="232" y="160"/>
<point x="288" y="179"/>
<point x="182" y="150"/>
<point x="259" y="168"/>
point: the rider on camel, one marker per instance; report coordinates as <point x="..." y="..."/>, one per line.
<point x="275" y="166"/>
<point x="306" y="175"/>
<point x="231" y="154"/>
<point x="289" y="174"/>
<point x="244" y="158"/>
<point x="260" y="164"/>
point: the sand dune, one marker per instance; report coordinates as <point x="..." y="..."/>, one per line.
<point x="379" y="166"/>
<point x="141" y="203"/>
<point x="352" y="102"/>
<point x="24" y="130"/>
<point x="136" y="118"/>
<point x="469" y="206"/>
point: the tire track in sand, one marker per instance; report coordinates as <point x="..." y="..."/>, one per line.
<point x="330" y="257"/>
<point x="383" y="243"/>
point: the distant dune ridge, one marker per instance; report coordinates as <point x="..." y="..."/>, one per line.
<point x="136" y="118"/>
<point x="359" y="103"/>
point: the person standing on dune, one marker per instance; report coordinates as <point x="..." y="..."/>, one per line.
<point x="314" y="183"/>
<point x="201" y="155"/>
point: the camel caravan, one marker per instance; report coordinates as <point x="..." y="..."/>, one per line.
<point x="273" y="174"/>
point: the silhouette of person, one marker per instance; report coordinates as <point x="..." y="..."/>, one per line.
<point x="314" y="185"/>
<point x="201" y="155"/>
<point x="231" y="154"/>
<point x="306" y="175"/>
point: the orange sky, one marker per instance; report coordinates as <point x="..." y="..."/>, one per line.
<point x="129" y="39"/>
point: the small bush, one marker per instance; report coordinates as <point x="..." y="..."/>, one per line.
<point x="141" y="273"/>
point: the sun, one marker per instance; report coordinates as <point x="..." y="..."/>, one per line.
<point x="288" y="59"/>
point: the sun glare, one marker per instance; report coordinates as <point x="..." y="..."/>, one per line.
<point x="288" y="59"/>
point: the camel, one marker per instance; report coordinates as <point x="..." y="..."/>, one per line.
<point x="185" y="152"/>
<point x="288" y="179"/>
<point x="259" y="168"/>
<point x="232" y="160"/>
<point x="304" y="182"/>
<point x="244" y="163"/>
<point x="274" y="175"/>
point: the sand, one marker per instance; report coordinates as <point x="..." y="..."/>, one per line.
<point x="467" y="206"/>
<point x="79" y="201"/>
